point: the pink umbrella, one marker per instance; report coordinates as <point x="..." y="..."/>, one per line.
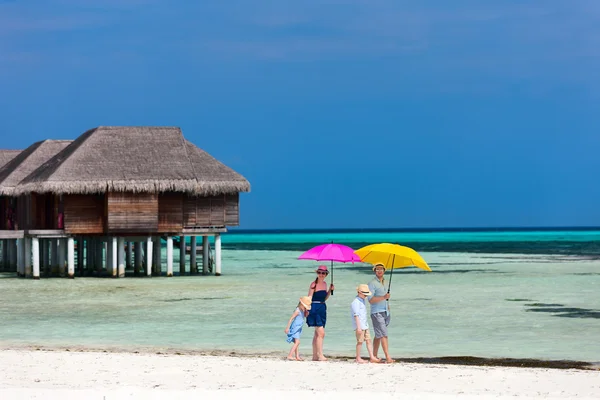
<point x="331" y="252"/>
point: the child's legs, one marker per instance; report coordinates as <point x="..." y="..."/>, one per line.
<point x="360" y="337"/>
<point x="294" y="348"/>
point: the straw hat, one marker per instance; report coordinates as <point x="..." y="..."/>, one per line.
<point x="306" y="301"/>
<point x="378" y="265"/>
<point x="322" y="268"/>
<point x="364" y="289"/>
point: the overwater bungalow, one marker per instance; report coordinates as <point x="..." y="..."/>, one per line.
<point x="19" y="212"/>
<point x="115" y="193"/>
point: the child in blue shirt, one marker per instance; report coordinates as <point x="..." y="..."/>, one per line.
<point x="361" y="325"/>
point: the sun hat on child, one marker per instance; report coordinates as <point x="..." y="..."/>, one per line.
<point x="306" y="301"/>
<point x="364" y="289"/>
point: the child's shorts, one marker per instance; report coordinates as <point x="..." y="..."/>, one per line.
<point x="364" y="335"/>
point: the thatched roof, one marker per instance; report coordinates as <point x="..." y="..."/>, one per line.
<point x="7" y="155"/>
<point x="27" y="161"/>
<point x="134" y="159"/>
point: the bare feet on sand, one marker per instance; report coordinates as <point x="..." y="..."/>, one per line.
<point x="299" y="359"/>
<point x="322" y="358"/>
<point x="375" y="360"/>
<point x="361" y="361"/>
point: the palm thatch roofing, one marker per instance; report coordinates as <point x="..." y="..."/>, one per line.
<point x="133" y="159"/>
<point x="27" y="161"/>
<point x="7" y="155"/>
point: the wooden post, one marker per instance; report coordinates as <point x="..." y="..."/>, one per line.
<point x="89" y="251"/>
<point x="149" y="256"/>
<point x="121" y="257"/>
<point x="114" y="253"/>
<point x="205" y="255"/>
<point x="181" y="255"/>
<point x="35" y="255"/>
<point x="217" y="254"/>
<point x="46" y="256"/>
<point x="20" y="263"/>
<point x="80" y="250"/>
<point x="193" y="267"/>
<point x="129" y="253"/>
<point x="28" y="271"/>
<point x="4" y="254"/>
<point x="54" y="256"/>
<point x="70" y="257"/>
<point x="169" y="255"/>
<point x="98" y="255"/>
<point x="138" y="260"/>
<point x="157" y="257"/>
<point x="61" y="256"/>
<point x="14" y="254"/>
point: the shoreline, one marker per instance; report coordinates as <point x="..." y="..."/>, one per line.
<point x="281" y="355"/>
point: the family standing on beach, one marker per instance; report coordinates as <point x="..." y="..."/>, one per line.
<point x="313" y="309"/>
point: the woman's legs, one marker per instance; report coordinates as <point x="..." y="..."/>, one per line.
<point x="319" y="336"/>
<point x="315" y="346"/>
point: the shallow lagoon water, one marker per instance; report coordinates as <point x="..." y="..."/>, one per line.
<point x="474" y="304"/>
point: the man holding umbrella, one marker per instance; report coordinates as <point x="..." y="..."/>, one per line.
<point x="380" y="312"/>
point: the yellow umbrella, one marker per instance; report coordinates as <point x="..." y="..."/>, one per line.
<point x="392" y="256"/>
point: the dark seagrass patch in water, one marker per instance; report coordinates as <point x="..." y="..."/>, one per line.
<point x="559" y="310"/>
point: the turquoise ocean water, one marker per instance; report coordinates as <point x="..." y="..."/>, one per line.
<point x="492" y="293"/>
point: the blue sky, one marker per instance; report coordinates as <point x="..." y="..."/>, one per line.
<point x="341" y="113"/>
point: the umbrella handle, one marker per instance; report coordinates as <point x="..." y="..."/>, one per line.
<point x="391" y="274"/>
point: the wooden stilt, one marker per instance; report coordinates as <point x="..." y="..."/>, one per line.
<point x="149" y="257"/>
<point x="4" y="255"/>
<point x="181" y="255"/>
<point x="71" y="257"/>
<point x="193" y="265"/>
<point x="205" y="255"/>
<point x="13" y="255"/>
<point x="20" y="263"/>
<point x="114" y="253"/>
<point x="169" y="255"/>
<point x="46" y="256"/>
<point x="35" y="255"/>
<point x="54" y="256"/>
<point x="128" y="257"/>
<point x="62" y="252"/>
<point x="138" y="259"/>
<point x="98" y="255"/>
<point x="121" y="257"/>
<point x="28" y="269"/>
<point x="80" y="253"/>
<point x="217" y="254"/>
<point x="157" y="263"/>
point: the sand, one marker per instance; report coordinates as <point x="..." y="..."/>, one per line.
<point x="60" y="374"/>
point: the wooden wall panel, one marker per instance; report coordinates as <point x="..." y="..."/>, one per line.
<point x="203" y="211"/>
<point x="132" y="212"/>
<point x="232" y="209"/>
<point x="211" y="211"/>
<point x="170" y="212"/>
<point x="189" y="211"/>
<point x="84" y="214"/>
<point x="217" y="211"/>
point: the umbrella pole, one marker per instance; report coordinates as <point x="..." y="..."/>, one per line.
<point x="391" y="274"/>
<point x="332" y="275"/>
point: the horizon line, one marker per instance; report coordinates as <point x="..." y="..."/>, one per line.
<point x="438" y="229"/>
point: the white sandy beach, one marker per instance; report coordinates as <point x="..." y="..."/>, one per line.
<point x="30" y="374"/>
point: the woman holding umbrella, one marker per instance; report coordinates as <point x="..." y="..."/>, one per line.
<point x="317" y="316"/>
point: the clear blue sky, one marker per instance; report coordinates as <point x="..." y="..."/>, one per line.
<point x="356" y="113"/>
